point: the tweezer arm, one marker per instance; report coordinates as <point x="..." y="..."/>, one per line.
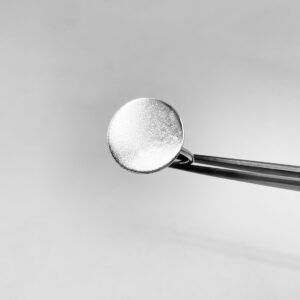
<point x="276" y="175"/>
<point x="249" y="166"/>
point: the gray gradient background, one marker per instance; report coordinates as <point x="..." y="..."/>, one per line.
<point x="74" y="225"/>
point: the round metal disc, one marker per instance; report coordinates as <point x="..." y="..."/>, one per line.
<point x="145" y="135"/>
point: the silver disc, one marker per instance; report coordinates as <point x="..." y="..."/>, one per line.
<point x="145" y="135"/>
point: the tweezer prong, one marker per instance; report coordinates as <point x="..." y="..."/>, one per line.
<point x="249" y="166"/>
<point x="270" y="174"/>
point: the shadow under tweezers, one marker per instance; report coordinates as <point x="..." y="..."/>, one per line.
<point x="249" y="177"/>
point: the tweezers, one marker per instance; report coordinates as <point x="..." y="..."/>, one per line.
<point x="264" y="173"/>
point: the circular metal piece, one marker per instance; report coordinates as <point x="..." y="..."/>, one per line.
<point x="145" y="135"/>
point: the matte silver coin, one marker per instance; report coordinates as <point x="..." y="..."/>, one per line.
<point x="145" y="135"/>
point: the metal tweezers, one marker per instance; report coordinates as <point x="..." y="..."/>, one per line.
<point x="268" y="174"/>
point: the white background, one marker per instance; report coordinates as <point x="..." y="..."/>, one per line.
<point x="73" y="225"/>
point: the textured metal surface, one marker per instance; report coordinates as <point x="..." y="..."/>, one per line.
<point x="145" y="135"/>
